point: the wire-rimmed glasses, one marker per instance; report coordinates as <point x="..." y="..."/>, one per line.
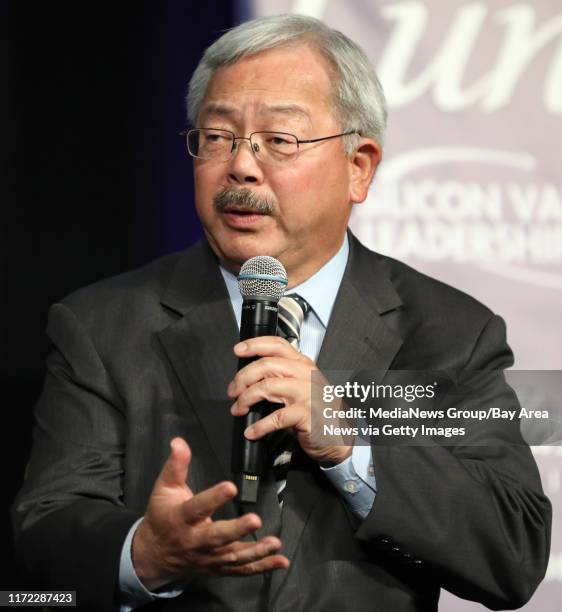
<point x="269" y="147"/>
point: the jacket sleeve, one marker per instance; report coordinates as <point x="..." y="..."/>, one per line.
<point x="69" y="518"/>
<point x="471" y="517"/>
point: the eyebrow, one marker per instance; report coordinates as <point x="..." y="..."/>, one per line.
<point x="226" y="110"/>
<point x="218" y="108"/>
<point x="287" y="109"/>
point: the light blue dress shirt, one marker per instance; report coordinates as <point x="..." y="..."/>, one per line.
<point x="353" y="478"/>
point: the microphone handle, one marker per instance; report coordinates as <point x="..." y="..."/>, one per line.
<point x="259" y="318"/>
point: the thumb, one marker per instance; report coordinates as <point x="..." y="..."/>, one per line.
<point x="175" y="470"/>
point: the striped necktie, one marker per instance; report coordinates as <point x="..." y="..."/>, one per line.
<point x="292" y="310"/>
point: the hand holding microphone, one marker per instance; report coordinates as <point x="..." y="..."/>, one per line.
<point x="273" y="386"/>
<point x="262" y="281"/>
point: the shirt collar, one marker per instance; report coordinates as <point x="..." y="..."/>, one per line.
<point x="319" y="290"/>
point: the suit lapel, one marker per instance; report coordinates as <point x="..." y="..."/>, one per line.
<point x="199" y="344"/>
<point x="358" y="337"/>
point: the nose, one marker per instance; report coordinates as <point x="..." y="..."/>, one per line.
<point x="243" y="165"/>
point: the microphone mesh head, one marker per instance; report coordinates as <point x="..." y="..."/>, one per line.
<point x="262" y="277"/>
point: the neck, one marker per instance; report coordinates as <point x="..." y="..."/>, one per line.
<point x="297" y="273"/>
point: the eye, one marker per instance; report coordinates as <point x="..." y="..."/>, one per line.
<point x="277" y="140"/>
<point x="216" y="137"/>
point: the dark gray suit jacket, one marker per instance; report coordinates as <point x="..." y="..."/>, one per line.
<point x="146" y="356"/>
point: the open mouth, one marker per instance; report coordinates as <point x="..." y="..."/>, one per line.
<point x="241" y="218"/>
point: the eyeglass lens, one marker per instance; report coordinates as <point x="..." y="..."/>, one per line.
<point x="218" y="145"/>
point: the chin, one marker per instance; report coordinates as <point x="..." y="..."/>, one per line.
<point x="240" y="251"/>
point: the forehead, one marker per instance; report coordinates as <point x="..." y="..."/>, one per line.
<point x="291" y="81"/>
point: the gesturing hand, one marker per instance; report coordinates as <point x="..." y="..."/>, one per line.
<point x="178" y="540"/>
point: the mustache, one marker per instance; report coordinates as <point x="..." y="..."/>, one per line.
<point x="242" y="196"/>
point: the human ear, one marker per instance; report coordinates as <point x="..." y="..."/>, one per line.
<point x="363" y="163"/>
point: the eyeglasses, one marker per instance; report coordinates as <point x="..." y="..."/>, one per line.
<point x="269" y="147"/>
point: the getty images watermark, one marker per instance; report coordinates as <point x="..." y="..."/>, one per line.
<point x="405" y="407"/>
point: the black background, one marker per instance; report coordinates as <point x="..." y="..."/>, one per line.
<point x="94" y="178"/>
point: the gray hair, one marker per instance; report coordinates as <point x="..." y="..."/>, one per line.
<point x="359" y="101"/>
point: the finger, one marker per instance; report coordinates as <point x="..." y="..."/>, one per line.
<point x="283" y="390"/>
<point x="266" y="367"/>
<point x="295" y="417"/>
<point x="268" y="564"/>
<point x="240" y="555"/>
<point x="174" y="471"/>
<point x="207" y="502"/>
<point x="266" y="346"/>
<point x="220" y="533"/>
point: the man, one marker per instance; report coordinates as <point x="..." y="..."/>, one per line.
<point x="128" y="496"/>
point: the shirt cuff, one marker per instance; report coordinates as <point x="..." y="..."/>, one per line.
<point x="133" y="592"/>
<point x="355" y="480"/>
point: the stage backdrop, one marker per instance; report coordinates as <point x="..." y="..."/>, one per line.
<point x="470" y="190"/>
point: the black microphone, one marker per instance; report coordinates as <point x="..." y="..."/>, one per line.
<point x="262" y="281"/>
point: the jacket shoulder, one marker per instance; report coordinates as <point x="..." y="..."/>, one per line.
<point x="441" y="326"/>
<point x="143" y="285"/>
<point x="431" y="295"/>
